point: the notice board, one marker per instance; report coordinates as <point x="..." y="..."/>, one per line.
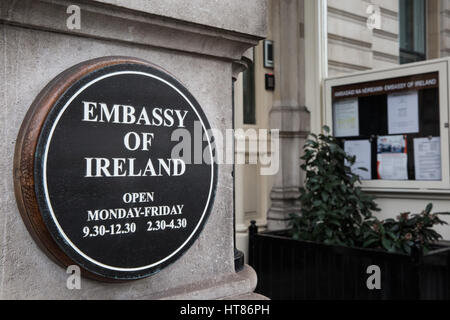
<point x="392" y="126"/>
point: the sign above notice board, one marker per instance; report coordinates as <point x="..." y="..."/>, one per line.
<point x="95" y="179"/>
<point x="387" y="86"/>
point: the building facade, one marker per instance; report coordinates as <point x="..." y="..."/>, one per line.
<point x="314" y="41"/>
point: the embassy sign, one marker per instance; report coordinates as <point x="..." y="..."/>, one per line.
<point x="95" y="180"/>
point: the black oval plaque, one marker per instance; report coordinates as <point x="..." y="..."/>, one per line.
<point x="114" y="198"/>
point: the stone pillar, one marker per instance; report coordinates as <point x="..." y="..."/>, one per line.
<point x="288" y="113"/>
<point x="197" y="41"/>
<point x="444" y="24"/>
<point x="433" y="29"/>
<point x="238" y="176"/>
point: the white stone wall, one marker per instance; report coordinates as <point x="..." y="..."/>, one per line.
<point x="445" y="28"/>
<point x="352" y="46"/>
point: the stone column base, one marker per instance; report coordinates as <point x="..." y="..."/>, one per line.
<point x="284" y="203"/>
<point x="236" y="286"/>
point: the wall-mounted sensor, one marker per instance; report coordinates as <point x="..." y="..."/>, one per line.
<point x="270" y="81"/>
<point x="268" y="54"/>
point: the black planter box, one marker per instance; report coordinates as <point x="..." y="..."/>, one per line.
<point x="288" y="269"/>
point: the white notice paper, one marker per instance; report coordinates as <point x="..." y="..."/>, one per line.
<point x="427" y="159"/>
<point x="346" y="118"/>
<point x="363" y="151"/>
<point x="392" y="159"/>
<point x="403" y="112"/>
<point x="392" y="166"/>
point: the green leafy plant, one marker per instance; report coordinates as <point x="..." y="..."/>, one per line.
<point x="336" y="211"/>
<point x="402" y="233"/>
<point x="333" y="207"/>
